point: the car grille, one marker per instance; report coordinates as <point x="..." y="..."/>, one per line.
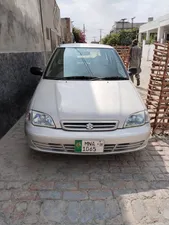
<point x="70" y="148"/>
<point x="90" y="126"/>
<point x="48" y="146"/>
<point x="128" y="146"/>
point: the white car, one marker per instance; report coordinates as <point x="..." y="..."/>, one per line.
<point x="85" y="103"/>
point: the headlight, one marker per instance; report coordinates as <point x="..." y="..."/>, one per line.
<point x="137" y="119"/>
<point x="41" y="119"/>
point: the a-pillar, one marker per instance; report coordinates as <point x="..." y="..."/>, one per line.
<point x="148" y="35"/>
<point x="160" y="34"/>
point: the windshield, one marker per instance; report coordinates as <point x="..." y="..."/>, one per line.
<point x="86" y="63"/>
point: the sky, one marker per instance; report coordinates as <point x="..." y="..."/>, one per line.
<point x="101" y="14"/>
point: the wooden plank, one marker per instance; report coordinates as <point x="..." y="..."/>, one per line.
<point x="160" y="45"/>
<point x="160" y="56"/>
<point x="162" y="51"/>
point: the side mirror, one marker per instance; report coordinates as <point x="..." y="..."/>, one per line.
<point x="36" y="71"/>
<point x="129" y="73"/>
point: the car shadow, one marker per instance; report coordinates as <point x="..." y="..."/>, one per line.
<point x="123" y="173"/>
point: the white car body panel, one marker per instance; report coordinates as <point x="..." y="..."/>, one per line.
<point x="87" y="100"/>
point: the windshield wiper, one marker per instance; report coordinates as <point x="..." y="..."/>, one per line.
<point x="73" y="78"/>
<point x="111" y="78"/>
<point x="92" y="78"/>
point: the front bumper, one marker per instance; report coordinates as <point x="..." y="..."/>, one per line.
<point x="62" y="142"/>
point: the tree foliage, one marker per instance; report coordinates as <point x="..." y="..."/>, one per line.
<point x="79" y="36"/>
<point x="124" y="37"/>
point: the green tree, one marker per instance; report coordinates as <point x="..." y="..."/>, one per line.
<point x="113" y="40"/>
<point x="124" y="37"/>
<point x="105" y="39"/>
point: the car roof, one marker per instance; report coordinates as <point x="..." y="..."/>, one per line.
<point x="78" y="45"/>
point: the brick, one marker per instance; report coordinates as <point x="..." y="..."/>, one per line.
<point x="123" y="176"/>
<point x="75" y="195"/>
<point x="159" y="177"/>
<point x="5" y="195"/>
<point x="45" y="185"/>
<point x="162" y="194"/>
<point x="2" y="220"/>
<point x="142" y="185"/>
<point x="147" y="195"/>
<point x="155" y="164"/>
<point x="152" y="209"/>
<point x="25" y="195"/>
<point x="129" y="185"/>
<point x="19" y="213"/>
<point x="114" y="169"/>
<point x="145" y="177"/>
<point x="86" y="212"/>
<point x="66" y="186"/>
<point x="145" y="158"/>
<point x="118" y="193"/>
<point x="32" y="214"/>
<point x="73" y="212"/>
<point x="118" y="220"/>
<point x="154" y="170"/>
<point x="132" y="163"/>
<point x="53" y="211"/>
<point x="109" y="184"/>
<point x="101" y="176"/>
<point x="160" y="185"/>
<point x="100" y="194"/>
<point x="157" y="158"/>
<point x="8" y="207"/>
<point x="20" y="207"/>
<point x="89" y="185"/>
<point x="80" y="177"/>
<point x="100" y="213"/>
<point x="131" y="170"/>
<point x="105" y="210"/>
<point x="2" y="185"/>
<point x="112" y="208"/>
<point x="166" y="176"/>
<point x="126" y="211"/>
<point x="138" y="209"/>
<point x="14" y="185"/>
<point x="164" y="169"/>
<point x="50" y="195"/>
<point x="156" y="153"/>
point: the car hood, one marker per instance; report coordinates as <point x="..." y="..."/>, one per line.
<point x="87" y="100"/>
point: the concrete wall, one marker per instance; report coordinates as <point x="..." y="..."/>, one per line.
<point x="147" y="52"/>
<point x="66" y="30"/>
<point x="160" y="22"/>
<point x="20" y="26"/>
<point x="21" y="46"/>
<point x="52" y="23"/>
<point x="127" y="25"/>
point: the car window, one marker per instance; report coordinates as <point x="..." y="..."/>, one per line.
<point x="96" y="62"/>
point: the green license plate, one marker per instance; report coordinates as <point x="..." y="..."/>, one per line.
<point x="89" y="146"/>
